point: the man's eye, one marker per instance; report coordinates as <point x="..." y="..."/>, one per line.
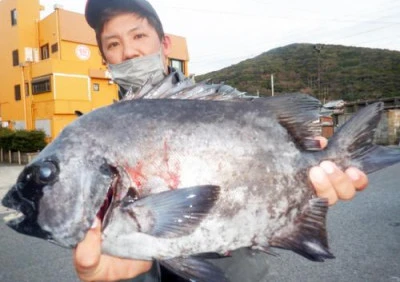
<point x="139" y="36"/>
<point x="112" y="45"/>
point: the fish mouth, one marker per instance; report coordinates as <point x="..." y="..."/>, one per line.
<point x="24" y="219"/>
<point x="25" y="225"/>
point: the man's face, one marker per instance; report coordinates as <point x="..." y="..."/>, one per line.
<point x="128" y="36"/>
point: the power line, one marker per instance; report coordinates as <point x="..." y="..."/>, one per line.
<point x="292" y="36"/>
<point x="257" y="46"/>
<point x="219" y="12"/>
<point x="367" y="31"/>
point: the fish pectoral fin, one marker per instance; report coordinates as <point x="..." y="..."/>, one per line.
<point x="308" y="238"/>
<point x="172" y="213"/>
<point x="195" y="269"/>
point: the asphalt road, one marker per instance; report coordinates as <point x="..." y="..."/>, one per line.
<point x="364" y="236"/>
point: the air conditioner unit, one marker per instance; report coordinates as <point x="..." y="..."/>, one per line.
<point x="28" y="54"/>
<point x="58" y="6"/>
<point x="36" y="55"/>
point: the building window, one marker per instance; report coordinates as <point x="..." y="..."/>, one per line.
<point x="17" y="92"/>
<point x="44" y="51"/>
<point x="15" y="58"/>
<point x="96" y="87"/>
<point x="177" y="64"/>
<point x="41" y="86"/>
<point x="54" y="48"/>
<point x="14" y="17"/>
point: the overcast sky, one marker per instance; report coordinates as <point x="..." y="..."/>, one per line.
<point x="220" y="33"/>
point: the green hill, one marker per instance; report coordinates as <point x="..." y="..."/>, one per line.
<point x="348" y="73"/>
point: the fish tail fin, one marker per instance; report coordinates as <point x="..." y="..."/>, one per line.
<point x="354" y="141"/>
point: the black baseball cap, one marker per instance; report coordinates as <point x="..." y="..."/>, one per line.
<point x="95" y="8"/>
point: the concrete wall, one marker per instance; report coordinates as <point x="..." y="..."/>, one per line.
<point x="388" y="131"/>
<point x="16" y="157"/>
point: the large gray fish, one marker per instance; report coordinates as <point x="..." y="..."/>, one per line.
<point x="172" y="179"/>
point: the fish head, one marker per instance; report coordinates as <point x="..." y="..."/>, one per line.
<point x="59" y="194"/>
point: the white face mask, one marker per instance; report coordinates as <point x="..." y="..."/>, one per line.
<point x="133" y="74"/>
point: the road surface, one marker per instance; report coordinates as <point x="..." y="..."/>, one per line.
<point x="364" y="235"/>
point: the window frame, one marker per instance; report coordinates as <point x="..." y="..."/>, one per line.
<point x="41" y="86"/>
<point x="54" y="48"/>
<point x="15" y="57"/>
<point x="14" y="17"/>
<point x="96" y="87"/>
<point x="181" y="62"/>
<point x="44" y="52"/>
<point x="17" y="92"/>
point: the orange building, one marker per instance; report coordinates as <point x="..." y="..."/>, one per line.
<point x="52" y="67"/>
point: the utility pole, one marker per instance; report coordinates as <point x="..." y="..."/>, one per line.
<point x="272" y="85"/>
<point x="23" y="93"/>
<point x="318" y="48"/>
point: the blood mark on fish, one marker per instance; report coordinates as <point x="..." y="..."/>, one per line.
<point x="167" y="170"/>
<point x="170" y="175"/>
<point x="137" y="175"/>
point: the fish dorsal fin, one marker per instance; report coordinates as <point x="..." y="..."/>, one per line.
<point x="299" y="114"/>
<point x="176" y="86"/>
<point x="147" y="89"/>
<point x="307" y="237"/>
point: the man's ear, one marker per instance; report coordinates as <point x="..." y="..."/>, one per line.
<point x="167" y="45"/>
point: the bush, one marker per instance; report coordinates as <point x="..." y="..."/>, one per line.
<point x="22" y="140"/>
<point x="6" y="136"/>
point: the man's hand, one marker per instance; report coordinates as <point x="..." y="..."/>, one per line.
<point x="334" y="184"/>
<point x="91" y="265"/>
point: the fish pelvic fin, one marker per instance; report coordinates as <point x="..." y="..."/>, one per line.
<point x="308" y="237"/>
<point x="195" y="269"/>
<point x="354" y="140"/>
<point x="173" y="213"/>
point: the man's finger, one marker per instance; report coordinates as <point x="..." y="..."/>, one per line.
<point x="339" y="180"/>
<point x="359" y="178"/>
<point x="87" y="254"/>
<point x="322" y="141"/>
<point x="322" y="185"/>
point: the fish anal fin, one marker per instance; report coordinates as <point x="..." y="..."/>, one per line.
<point x="265" y="249"/>
<point x="308" y="237"/>
<point x="195" y="269"/>
<point x="211" y="255"/>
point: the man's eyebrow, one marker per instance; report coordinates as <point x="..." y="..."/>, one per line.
<point x="133" y="29"/>
<point x="138" y="27"/>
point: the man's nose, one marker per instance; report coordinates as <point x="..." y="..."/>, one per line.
<point x="130" y="51"/>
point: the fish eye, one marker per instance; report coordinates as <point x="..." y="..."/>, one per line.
<point x="47" y="171"/>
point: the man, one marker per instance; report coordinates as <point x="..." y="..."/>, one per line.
<point x="132" y="42"/>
